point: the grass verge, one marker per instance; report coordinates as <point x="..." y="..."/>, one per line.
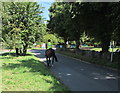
<point x="102" y="62"/>
<point x="27" y="73"/>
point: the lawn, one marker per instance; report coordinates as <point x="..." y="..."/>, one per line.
<point x="37" y="48"/>
<point x="27" y="73"/>
<point x="99" y="49"/>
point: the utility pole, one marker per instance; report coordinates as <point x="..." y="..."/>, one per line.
<point x="112" y="51"/>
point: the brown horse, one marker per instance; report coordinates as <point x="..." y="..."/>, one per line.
<point x="50" y="56"/>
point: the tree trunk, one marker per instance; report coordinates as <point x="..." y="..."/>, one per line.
<point x="17" y="51"/>
<point x="77" y="44"/>
<point x="65" y="45"/>
<point x="25" y="49"/>
<point x="20" y="50"/>
<point x="105" y="45"/>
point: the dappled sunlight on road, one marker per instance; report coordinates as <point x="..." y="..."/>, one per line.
<point x="82" y="76"/>
<point x="104" y="77"/>
<point x="68" y="74"/>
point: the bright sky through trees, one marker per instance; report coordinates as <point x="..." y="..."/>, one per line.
<point x="46" y="6"/>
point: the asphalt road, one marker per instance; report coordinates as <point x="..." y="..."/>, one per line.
<point x="82" y="76"/>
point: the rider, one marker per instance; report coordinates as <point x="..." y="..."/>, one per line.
<point x="49" y="47"/>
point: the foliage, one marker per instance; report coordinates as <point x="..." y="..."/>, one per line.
<point x="52" y="37"/>
<point x="57" y="19"/>
<point x="116" y="21"/>
<point x="97" y="22"/>
<point x="22" y="24"/>
<point x="85" y="39"/>
<point x="100" y="21"/>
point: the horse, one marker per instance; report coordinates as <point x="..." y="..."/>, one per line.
<point x="50" y="56"/>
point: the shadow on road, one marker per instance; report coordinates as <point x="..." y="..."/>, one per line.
<point x="80" y="76"/>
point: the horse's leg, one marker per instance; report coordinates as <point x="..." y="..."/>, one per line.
<point x="46" y="59"/>
<point x="55" y="56"/>
<point x="52" y="60"/>
<point x="49" y="61"/>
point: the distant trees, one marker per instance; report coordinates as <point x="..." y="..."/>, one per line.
<point x="52" y="37"/>
<point x="22" y="25"/>
<point x="98" y="20"/>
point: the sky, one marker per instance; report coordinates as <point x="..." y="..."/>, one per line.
<point x="45" y="10"/>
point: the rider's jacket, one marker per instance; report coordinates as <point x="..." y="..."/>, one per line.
<point x="49" y="45"/>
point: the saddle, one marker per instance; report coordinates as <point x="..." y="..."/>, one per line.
<point x="49" y="53"/>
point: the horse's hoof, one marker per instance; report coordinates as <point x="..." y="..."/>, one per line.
<point x="52" y="65"/>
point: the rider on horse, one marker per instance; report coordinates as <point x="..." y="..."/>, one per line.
<point x="49" y="48"/>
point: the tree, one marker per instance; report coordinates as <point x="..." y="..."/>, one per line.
<point x="115" y="15"/>
<point x="23" y="22"/>
<point x="63" y="20"/>
<point x="52" y="37"/>
<point x="57" y="19"/>
<point x="75" y="27"/>
<point x="97" y="22"/>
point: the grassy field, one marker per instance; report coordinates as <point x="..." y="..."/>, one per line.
<point x="99" y="49"/>
<point x="27" y="73"/>
<point x="37" y="48"/>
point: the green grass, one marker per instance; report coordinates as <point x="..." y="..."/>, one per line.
<point x="37" y="48"/>
<point x="99" y="49"/>
<point x="27" y="73"/>
<point x="96" y="49"/>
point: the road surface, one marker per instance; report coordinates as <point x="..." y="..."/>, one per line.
<point x="82" y="76"/>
